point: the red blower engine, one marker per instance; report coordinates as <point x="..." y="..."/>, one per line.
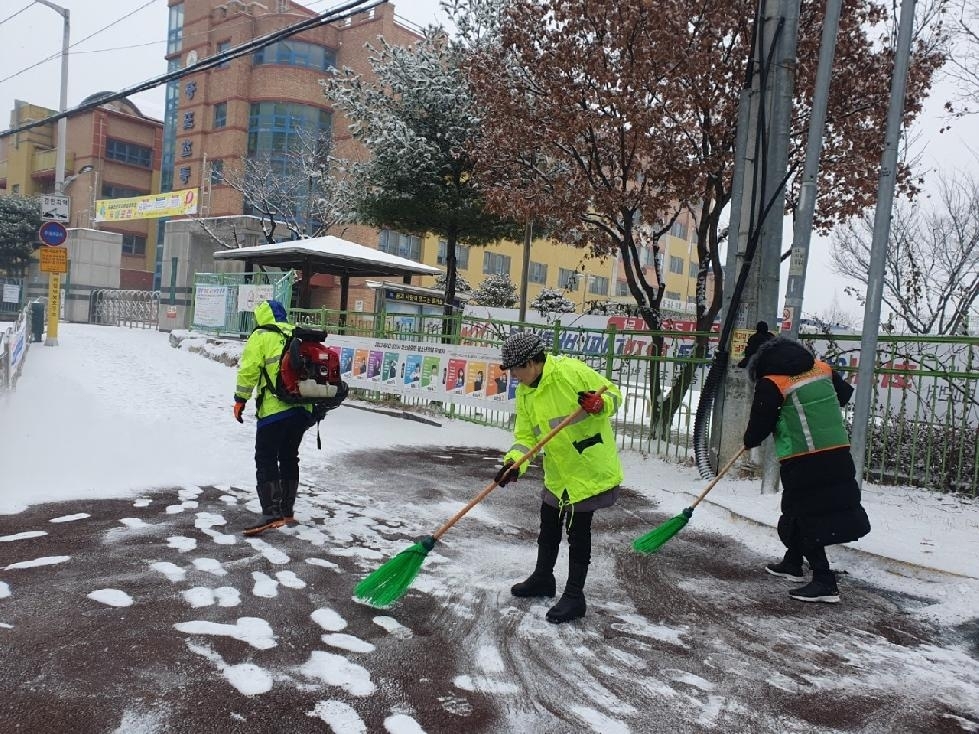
<point x="310" y="370"/>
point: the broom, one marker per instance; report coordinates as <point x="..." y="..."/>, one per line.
<point x="388" y="583"/>
<point x="657" y="537"/>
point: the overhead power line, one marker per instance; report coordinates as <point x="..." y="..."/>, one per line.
<point x="81" y="40"/>
<point x="330" y="16"/>
<point x="14" y="15"/>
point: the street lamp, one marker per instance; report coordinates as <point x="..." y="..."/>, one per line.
<point x="69" y="180"/>
<point x="59" y="166"/>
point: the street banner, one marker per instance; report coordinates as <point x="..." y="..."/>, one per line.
<point x="151" y="206"/>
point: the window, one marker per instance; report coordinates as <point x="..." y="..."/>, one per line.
<point x="694" y="269"/>
<point x="679" y="229"/>
<point x="276" y="128"/>
<point x="296" y="53"/>
<point x="220" y="115"/>
<point x="402" y="245"/>
<point x="133" y="244"/>
<point x="217" y="173"/>
<point x="598" y="285"/>
<point x="567" y="279"/>
<point x="671" y="296"/>
<point x="221" y="48"/>
<point x="676" y="264"/>
<point x="621" y="288"/>
<point x="129" y="153"/>
<point x="462" y="255"/>
<point x="112" y="191"/>
<point x="175" y="29"/>
<point x="496" y="264"/>
<point x="537" y="273"/>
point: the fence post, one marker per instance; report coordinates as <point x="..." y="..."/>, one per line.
<point x="610" y="351"/>
<point x="556" y="345"/>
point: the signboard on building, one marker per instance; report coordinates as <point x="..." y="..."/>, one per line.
<point x="55" y="208"/>
<point x="151" y="206"/>
<point x="53" y="259"/>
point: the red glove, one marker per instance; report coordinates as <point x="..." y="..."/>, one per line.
<point x="591" y="401"/>
<point x="239" y="409"/>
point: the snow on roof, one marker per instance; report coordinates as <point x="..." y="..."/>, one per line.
<point x="330" y="251"/>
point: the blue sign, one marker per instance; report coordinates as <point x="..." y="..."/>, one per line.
<point x="53" y="233"/>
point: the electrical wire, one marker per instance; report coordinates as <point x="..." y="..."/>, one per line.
<point x="339" y="13"/>
<point x="82" y="40"/>
<point x="14" y="15"/>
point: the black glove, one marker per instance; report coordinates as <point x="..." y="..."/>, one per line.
<point x="502" y="479"/>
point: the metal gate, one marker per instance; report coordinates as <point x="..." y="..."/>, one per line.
<point x="132" y="308"/>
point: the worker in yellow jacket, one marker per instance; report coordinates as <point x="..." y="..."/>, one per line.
<point x="582" y="471"/>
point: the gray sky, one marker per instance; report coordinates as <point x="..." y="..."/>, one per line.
<point x="131" y="51"/>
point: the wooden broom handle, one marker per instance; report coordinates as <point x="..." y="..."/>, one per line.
<point x="716" y="479"/>
<point x="523" y="459"/>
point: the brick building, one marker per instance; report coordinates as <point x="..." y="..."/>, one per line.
<point x="261" y="104"/>
<point x="118" y="148"/>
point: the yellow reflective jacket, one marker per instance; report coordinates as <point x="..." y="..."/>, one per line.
<point x="582" y="458"/>
<point x="262" y="352"/>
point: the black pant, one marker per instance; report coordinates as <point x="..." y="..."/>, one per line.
<point x="797" y="547"/>
<point x="577" y="525"/>
<point x="277" y="448"/>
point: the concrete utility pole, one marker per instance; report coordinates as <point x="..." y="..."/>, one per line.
<point x="757" y="189"/>
<point x="878" y="245"/>
<point x="59" y="166"/>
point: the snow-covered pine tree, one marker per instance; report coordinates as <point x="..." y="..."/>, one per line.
<point x="551" y="300"/>
<point x="462" y="285"/>
<point x="20" y="218"/>
<point x="417" y="119"/>
<point x="496" y="291"/>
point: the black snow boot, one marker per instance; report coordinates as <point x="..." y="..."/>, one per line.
<point x="571" y="605"/>
<point x="822" y="588"/>
<point x="290" y="487"/>
<point x="270" y="495"/>
<point x="541" y="582"/>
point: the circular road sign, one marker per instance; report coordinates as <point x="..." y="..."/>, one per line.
<point x="53" y="233"/>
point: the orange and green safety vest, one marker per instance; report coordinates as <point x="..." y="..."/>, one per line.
<point x="810" y="420"/>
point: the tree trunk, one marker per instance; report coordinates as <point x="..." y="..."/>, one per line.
<point x="448" y="310"/>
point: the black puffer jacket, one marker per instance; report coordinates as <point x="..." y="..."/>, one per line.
<point x="819" y="491"/>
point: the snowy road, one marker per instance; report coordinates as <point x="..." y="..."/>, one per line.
<point x="146" y="611"/>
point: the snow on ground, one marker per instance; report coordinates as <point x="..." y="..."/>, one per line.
<point x="113" y="413"/>
<point x="163" y="418"/>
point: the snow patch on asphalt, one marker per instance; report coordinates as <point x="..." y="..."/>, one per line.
<point x="111" y="597"/>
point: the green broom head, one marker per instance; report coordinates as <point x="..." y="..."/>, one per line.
<point x="657" y="537"/>
<point x="389" y="582"/>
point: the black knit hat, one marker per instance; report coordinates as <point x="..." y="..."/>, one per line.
<point x="520" y="348"/>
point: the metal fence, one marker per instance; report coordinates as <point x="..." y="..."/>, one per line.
<point x="120" y="307"/>
<point x="223" y="302"/>
<point x="12" y="296"/>
<point x="925" y="415"/>
<point x="15" y="341"/>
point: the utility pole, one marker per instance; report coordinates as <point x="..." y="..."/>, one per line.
<point x="59" y="166"/>
<point x="758" y="202"/>
<point x="528" y="236"/>
<point x="802" y="230"/>
<point x="54" y="279"/>
<point x="878" y="245"/>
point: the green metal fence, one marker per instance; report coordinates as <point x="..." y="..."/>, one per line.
<point x="925" y="415"/>
<point x="223" y="302"/>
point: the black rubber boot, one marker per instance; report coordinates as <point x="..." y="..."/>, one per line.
<point x="571" y="605"/>
<point x="290" y="487"/>
<point x="541" y="582"/>
<point x="270" y="496"/>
